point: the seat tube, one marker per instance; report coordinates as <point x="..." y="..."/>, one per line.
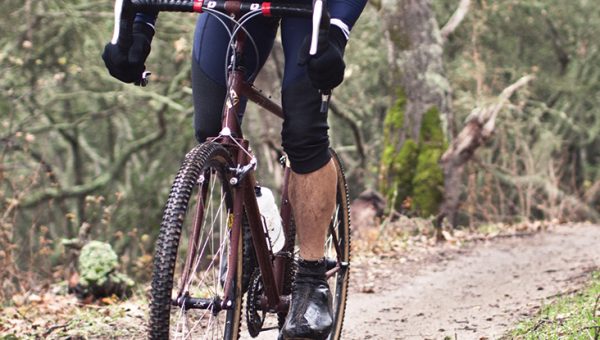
<point x="236" y="79"/>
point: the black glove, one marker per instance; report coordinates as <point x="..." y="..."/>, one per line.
<point x="127" y="63"/>
<point x="326" y="68"/>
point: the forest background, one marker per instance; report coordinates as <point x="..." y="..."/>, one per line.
<point x="463" y="112"/>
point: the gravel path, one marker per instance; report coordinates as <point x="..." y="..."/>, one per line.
<point x="480" y="293"/>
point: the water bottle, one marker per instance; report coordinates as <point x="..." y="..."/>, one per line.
<point x="270" y="212"/>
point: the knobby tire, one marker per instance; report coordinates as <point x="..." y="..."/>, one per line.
<point x="206" y="160"/>
<point x="341" y="226"/>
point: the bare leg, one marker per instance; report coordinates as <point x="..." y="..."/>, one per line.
<point x="312" y="197"/>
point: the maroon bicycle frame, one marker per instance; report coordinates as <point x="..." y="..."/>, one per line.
<point x="272" y="266"/>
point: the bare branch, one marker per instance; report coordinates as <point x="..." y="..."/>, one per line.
<point x="456" y="18"/>
<point x="486" y="117"/>
<point x="102" y="180"/>
<point x="479" y="128"/>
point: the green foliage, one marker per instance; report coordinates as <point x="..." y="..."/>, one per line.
<point x="96" y="261"/>
<point x="98" y="272"/>
<point x="67" y="127"/>
<point x="547" y="143"/>
<point x="413" y="171"/>
<point x="397" y="166"/>
<point x="365" y="98"/>
<point x="74" y="141"/>
<point x="98" y="264"/>
<point x="404" y="167"/>
<point x="393" y="123"/>
<point x="428" y="182"/>
<point x="9" y="337"/>
<point x="431" y="134"/>
<point x="394" y="119"/>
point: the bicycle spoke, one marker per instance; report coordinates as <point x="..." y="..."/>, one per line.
<point x="202" y="253"/>
<point x="206" y="280"/>
<point x="185" y="285"/>
<point x="329" y="243"/>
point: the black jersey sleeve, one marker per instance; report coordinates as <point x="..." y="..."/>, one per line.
<point x="346" y="11"/>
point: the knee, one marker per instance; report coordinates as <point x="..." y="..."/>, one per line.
<point x="304" y="135"/>
<point x="306" y="153"/>
<point x="202" y="132"/>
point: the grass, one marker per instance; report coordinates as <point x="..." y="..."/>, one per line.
<point x="574" y="316"/>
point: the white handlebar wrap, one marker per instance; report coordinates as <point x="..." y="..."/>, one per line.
<point x="316" y="22"/>
<point x="117" y="27"/>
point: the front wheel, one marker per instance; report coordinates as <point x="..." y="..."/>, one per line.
<point x="192" y="251"/>
<point x="337" y="251"/>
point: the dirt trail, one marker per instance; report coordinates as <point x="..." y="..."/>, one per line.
<point x="474" y="292"/>
<point x="480" y="293"/>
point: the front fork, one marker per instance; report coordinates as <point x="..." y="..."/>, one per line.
<point x="245" y="202"/>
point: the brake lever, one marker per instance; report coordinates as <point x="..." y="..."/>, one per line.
<point x="145" y="79"/>
<point x="325" y="98"/>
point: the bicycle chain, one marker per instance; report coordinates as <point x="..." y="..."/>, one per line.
<point x="254" y="318"/>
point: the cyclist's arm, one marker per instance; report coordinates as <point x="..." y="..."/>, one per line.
<point x="344" y="13"/>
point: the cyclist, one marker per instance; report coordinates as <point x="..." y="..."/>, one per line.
<point x="304" y="134"/>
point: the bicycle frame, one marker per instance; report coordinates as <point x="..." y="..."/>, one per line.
<point x="272" y="272"/>
<point x="272" y="266"/>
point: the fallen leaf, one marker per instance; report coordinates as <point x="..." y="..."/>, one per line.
<point x="368" y="289"/>
<point x="18" y="300"/>
<point x="34" y="298"/>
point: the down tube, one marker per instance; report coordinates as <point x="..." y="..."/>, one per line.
<point x="263" y="255"/>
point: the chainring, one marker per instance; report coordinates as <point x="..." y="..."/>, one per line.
<point x="255" y="317"/>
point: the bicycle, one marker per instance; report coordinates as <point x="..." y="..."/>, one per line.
<point x="206" y="261"/>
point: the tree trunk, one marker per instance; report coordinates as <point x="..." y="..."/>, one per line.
<point x="416" y="59"/>
<point x="419" y="121"/>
